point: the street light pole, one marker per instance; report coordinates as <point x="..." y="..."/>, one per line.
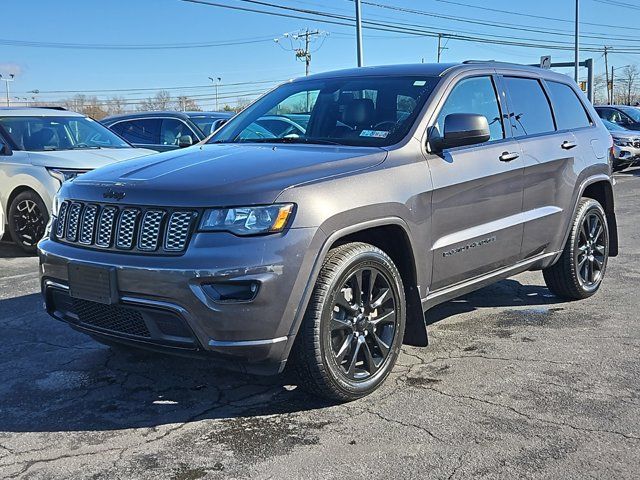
<point x="359" y="32"/>
<point x="216" y="81"/>
<point x="577" y="40"/>
<point x="6" y="83"/>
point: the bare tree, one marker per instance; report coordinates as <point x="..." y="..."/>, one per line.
<point x="115" y="105"/>
<point x="599" y="89"/>
<point x="184" y="103"/>
<point x="89" y="106"/>
<point x="629" y="82"/>
<point x="160" y="101"/>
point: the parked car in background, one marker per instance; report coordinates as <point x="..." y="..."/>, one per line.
<point x="622" y="115"/>
<point x="163" y="131"/>
<point x="39" y="149"/>
<point x="320" y="252"/>
<point x="626" y="146"/>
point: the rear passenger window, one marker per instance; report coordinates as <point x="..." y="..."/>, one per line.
<point x="142" y="132"/>
<point x="474" y="95"/>
<point x="530" y="110"/>
<point x="568" y="108"/>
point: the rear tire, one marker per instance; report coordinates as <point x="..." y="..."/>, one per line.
<point x="352" y="331"/>
<point x="27" y="218"/>
<point x="579" y="272"/>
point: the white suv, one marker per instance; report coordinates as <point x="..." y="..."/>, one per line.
<point x="39" y="149"/>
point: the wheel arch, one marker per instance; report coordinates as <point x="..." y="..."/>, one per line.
<point x="602" y="191"/>
<point x="394" y="241"/>
<point x="390" y="235"/>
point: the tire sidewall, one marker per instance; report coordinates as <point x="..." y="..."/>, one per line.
<point x="380" y="262"/>
<point x="587" y="208"/>
<point x="27" y="195"/>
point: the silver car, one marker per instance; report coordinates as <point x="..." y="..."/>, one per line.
<point x="626" y="145"/>
<point x="39" y="149"/>
<point x="320" y="251"/>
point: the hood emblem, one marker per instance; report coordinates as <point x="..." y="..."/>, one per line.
<point x="114" y="194"/>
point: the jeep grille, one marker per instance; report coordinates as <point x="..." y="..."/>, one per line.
<point x="124" y="228"/>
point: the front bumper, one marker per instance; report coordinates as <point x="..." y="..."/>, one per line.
<point x="164" y="303"/>
<point x="625" y="156"/>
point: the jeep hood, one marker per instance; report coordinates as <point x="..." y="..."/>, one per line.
<point x="220" y="175"/>
<point x="85" y="159"/>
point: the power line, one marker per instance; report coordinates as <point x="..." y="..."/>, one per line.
<point x="396" y="27"/>
<point x="508" y="26"/>
<point x="202" y="87"/>
<point x="616" y="3"/>
<point x="104" y="46"/>
<point x="529" y="15"/>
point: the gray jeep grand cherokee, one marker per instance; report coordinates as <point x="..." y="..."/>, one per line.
<point x="322" y="249"/>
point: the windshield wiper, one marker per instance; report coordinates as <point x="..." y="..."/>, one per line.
<point x="82" y="146"/>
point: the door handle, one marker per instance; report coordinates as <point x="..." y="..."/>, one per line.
<point x="508" y="157"/>
<point x="568" y="145"/>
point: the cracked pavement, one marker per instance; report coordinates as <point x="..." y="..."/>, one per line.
<point x="514" y="384"/>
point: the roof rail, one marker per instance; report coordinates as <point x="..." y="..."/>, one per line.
<point x="472" y="62"/>
<point x="53" y="107"/>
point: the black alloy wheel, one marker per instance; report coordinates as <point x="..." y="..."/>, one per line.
<point x="28" y="219"/>
<point x="363" y="324"/>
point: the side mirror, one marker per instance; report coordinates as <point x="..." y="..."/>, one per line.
<point x="462" y="129"/>
<point x="185" y="141"/>
<point x="218" y="123"/>
<point x="5" y="149"/>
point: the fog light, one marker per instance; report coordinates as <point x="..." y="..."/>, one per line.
<point x="229" y="292"/>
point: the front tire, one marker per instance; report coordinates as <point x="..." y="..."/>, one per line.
<point x="352" y="331"/>
<point x="579" y="272"/>
<point x="28" y="217"/>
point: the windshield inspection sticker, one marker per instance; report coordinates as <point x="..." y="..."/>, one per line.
<point x="419" y="83"/>
<point x="374" y="133"/>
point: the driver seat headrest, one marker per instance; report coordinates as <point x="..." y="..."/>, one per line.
<point x="360" y="113"/>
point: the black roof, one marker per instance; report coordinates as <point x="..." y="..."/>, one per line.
<point x="167" y="113"/>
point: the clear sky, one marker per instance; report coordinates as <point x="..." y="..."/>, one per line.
<point x="135" y="23"/>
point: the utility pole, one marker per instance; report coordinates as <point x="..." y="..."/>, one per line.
<point x="441" y="48"/>
<point x="606" y="72"/>
<point x="216" y="81"/>
<point x="612" y="90"/>
<point x="6" y="81"/>
<point x="359" y="33"/>
<point x="301" y="45"/>
<point x="577" y="39"/>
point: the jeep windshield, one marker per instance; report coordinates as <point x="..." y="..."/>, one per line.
<point x="358" y="111"/>
<point x="39" y="134"/>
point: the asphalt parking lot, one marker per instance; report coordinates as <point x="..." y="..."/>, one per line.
<point x="515" y="384"/>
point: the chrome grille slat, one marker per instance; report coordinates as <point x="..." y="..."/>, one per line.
<point x="126" y="227"/>
<point x="62" y="219"/>
<point x="149" y="230"/>
<point x="178" y="228"/>
<point x="149" y="236"/>
<point x="88" y="224"/>
<point x="105" y="227"/>
<point x="74" y="221"/>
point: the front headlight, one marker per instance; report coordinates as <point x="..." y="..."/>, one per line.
<point x="64" y="174"/>
<point x="621" y="142"/>
<point x="55" y="207"/>
<point x="247" y="220"/>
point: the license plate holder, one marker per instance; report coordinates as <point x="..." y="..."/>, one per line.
<point x="93" y="283"/>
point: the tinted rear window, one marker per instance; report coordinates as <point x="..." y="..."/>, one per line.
<point x="141" y="132"/>
<point x="530" y="110"/>
<point x="568" y="108"/>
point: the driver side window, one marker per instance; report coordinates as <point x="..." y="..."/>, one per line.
<point x="474" y="95"/>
